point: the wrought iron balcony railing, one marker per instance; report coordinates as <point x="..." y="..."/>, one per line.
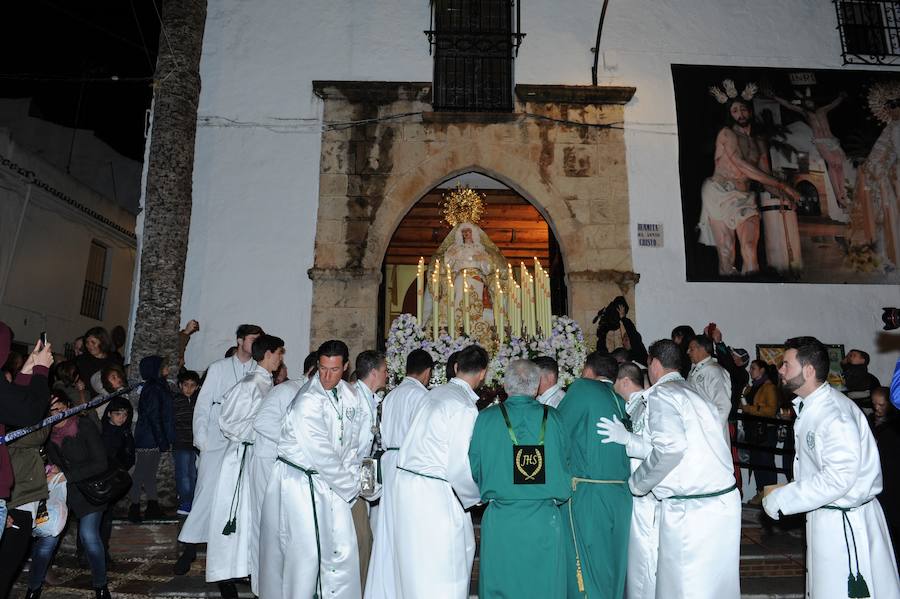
<point x="869" y="30"/>
<point x="93" y="298"/>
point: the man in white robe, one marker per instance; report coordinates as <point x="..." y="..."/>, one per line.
<point x="228" y="548"/>
<point x="307" y="538"/>
<point x="837" y="474"/>
<point x="371" y="376"/>
<point x="221" y="376"/>
<point x="434" y="541"/>
<point x="550" y="392"/>
<point x="689" y="469"/>
<point x="710" y="379"/>
<point x="397" y="411"/>
<point x="643" y="539"/>
<point x="267" y="424"/>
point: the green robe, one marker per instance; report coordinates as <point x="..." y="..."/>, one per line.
<point x="522" y="552"/>
<point x="601" y="513"/>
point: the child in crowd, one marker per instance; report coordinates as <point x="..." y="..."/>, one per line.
<point x="185" y="453"/>
<point x="120" y="453"/>
<point x="154" y="433"/>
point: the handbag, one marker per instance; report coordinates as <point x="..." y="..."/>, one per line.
<point x="106" y="487"/>
<point x="52" y="513"/>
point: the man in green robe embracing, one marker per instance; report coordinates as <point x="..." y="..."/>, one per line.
<point x="598" y="517"/>
<point x="517" y="454"/>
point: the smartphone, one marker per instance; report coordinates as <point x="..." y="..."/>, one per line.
<point x="43" y="341"/>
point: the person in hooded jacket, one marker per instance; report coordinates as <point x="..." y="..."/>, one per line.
<point x="23" y="402"/>
<point x="120" y="452"/>
<point x="154" y="432"/>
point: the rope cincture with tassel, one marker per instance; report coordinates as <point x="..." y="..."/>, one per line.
<point x="51" y="420"/>
<point x="231" y="525"/>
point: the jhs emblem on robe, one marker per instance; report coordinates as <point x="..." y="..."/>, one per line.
<point x="528" y="465"/>
<point x="350" y="413"/>
<point x="811" y="440"/>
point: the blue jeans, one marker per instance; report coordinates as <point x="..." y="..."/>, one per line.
<point x="2" y="517"/>
<point x="42" y="549"/>
<point x="185" y="477"/>
<point x="89" y="533"/>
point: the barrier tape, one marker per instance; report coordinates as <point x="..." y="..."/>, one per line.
<point x="51" y="420"/>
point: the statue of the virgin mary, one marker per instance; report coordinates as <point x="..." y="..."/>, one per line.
<point x="470" y="257"/>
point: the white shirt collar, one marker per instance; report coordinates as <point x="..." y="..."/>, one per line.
<point x="550" y="392"/>
<point x="702" y="362"/>
<point x="469" y="391"/>
<point x="671" y="376"/>
<point x="414" y="381"/>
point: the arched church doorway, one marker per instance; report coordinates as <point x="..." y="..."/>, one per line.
<point x="513" y="224"/>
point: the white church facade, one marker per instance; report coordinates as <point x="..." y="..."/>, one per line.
<point x="321" y="125"/>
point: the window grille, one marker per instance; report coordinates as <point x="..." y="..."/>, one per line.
<point x="869" y="30"/>
<point x="93" y="296"/>
<point x="474" y="44"/>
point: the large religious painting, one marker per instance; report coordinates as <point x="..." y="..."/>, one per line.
<point x="789" y="175"/>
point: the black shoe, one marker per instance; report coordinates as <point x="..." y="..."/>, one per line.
<point x="102" y="593"/>
<point x="134" y="513"/>
<point x="153" y="512"/>
<point x="184" y="561"/>
<point x="227" y="590"/>
<point x="33" y="594"/>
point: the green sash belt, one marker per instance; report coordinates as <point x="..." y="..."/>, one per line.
<point x="309" y="472"/>
<point x="856" y="585"/>
<point x="705" y="495"/>
<point x="231" y="525"/>
<point x="392" y="449"/>
<point x="421" y="474"/>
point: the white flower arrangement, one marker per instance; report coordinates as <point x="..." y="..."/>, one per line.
<point x="565" y="344"/>
<point x="405" y="336"/>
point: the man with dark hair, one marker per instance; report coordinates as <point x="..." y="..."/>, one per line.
<point x="859" y="381"/>
<point x="310" y="364"/>
<point x="599" y="367"/>
<point x="316" y="479"/>
<point x="599" y="513"/>
<point x="550" y="393"/>
<point x="267" y="424"/>
<point x="221" y="376"/>
<point x="838" y="474"/>
<point x="232" y="515"/>
<point x="371" y="376"/>
<point x="643" y="539"/>
<point x="689" y="470"/>
<point x="450" y="370"/>
<point x="397" y="411"/>
<point x="710" y="380"/>
<point x="434" y="541"/>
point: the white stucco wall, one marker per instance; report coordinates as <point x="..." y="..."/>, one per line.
<point x="256" y="170"/>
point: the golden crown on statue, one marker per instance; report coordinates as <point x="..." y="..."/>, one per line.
<point x="461" y="205"/>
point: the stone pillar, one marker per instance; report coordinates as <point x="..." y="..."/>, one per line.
<point x="345" y="307"/>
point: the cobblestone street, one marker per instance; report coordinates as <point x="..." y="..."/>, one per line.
<point x="143" y="556"/>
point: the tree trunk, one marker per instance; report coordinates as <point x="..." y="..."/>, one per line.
<point x="167" y="197"/>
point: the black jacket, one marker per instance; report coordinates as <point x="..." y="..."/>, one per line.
<point x="80" y="457"/>
<point x="118" y="440"/>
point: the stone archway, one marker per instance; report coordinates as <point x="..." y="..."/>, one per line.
<point x="373" y="169"/>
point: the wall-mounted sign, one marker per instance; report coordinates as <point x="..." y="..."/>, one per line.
<point x="650" y="235"/>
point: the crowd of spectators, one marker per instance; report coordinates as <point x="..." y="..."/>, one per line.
<point x="42" y="474"/>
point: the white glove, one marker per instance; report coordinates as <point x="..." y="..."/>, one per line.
<point x="770" y="504"/>
<point x="613" y="431"/>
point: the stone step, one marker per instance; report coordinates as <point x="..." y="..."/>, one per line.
<point x="144" y="554"/>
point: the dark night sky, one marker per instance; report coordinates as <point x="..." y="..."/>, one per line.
<point x="56" y="51"/>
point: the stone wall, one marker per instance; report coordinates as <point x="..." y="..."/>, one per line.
<point x="383" y="149"/>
